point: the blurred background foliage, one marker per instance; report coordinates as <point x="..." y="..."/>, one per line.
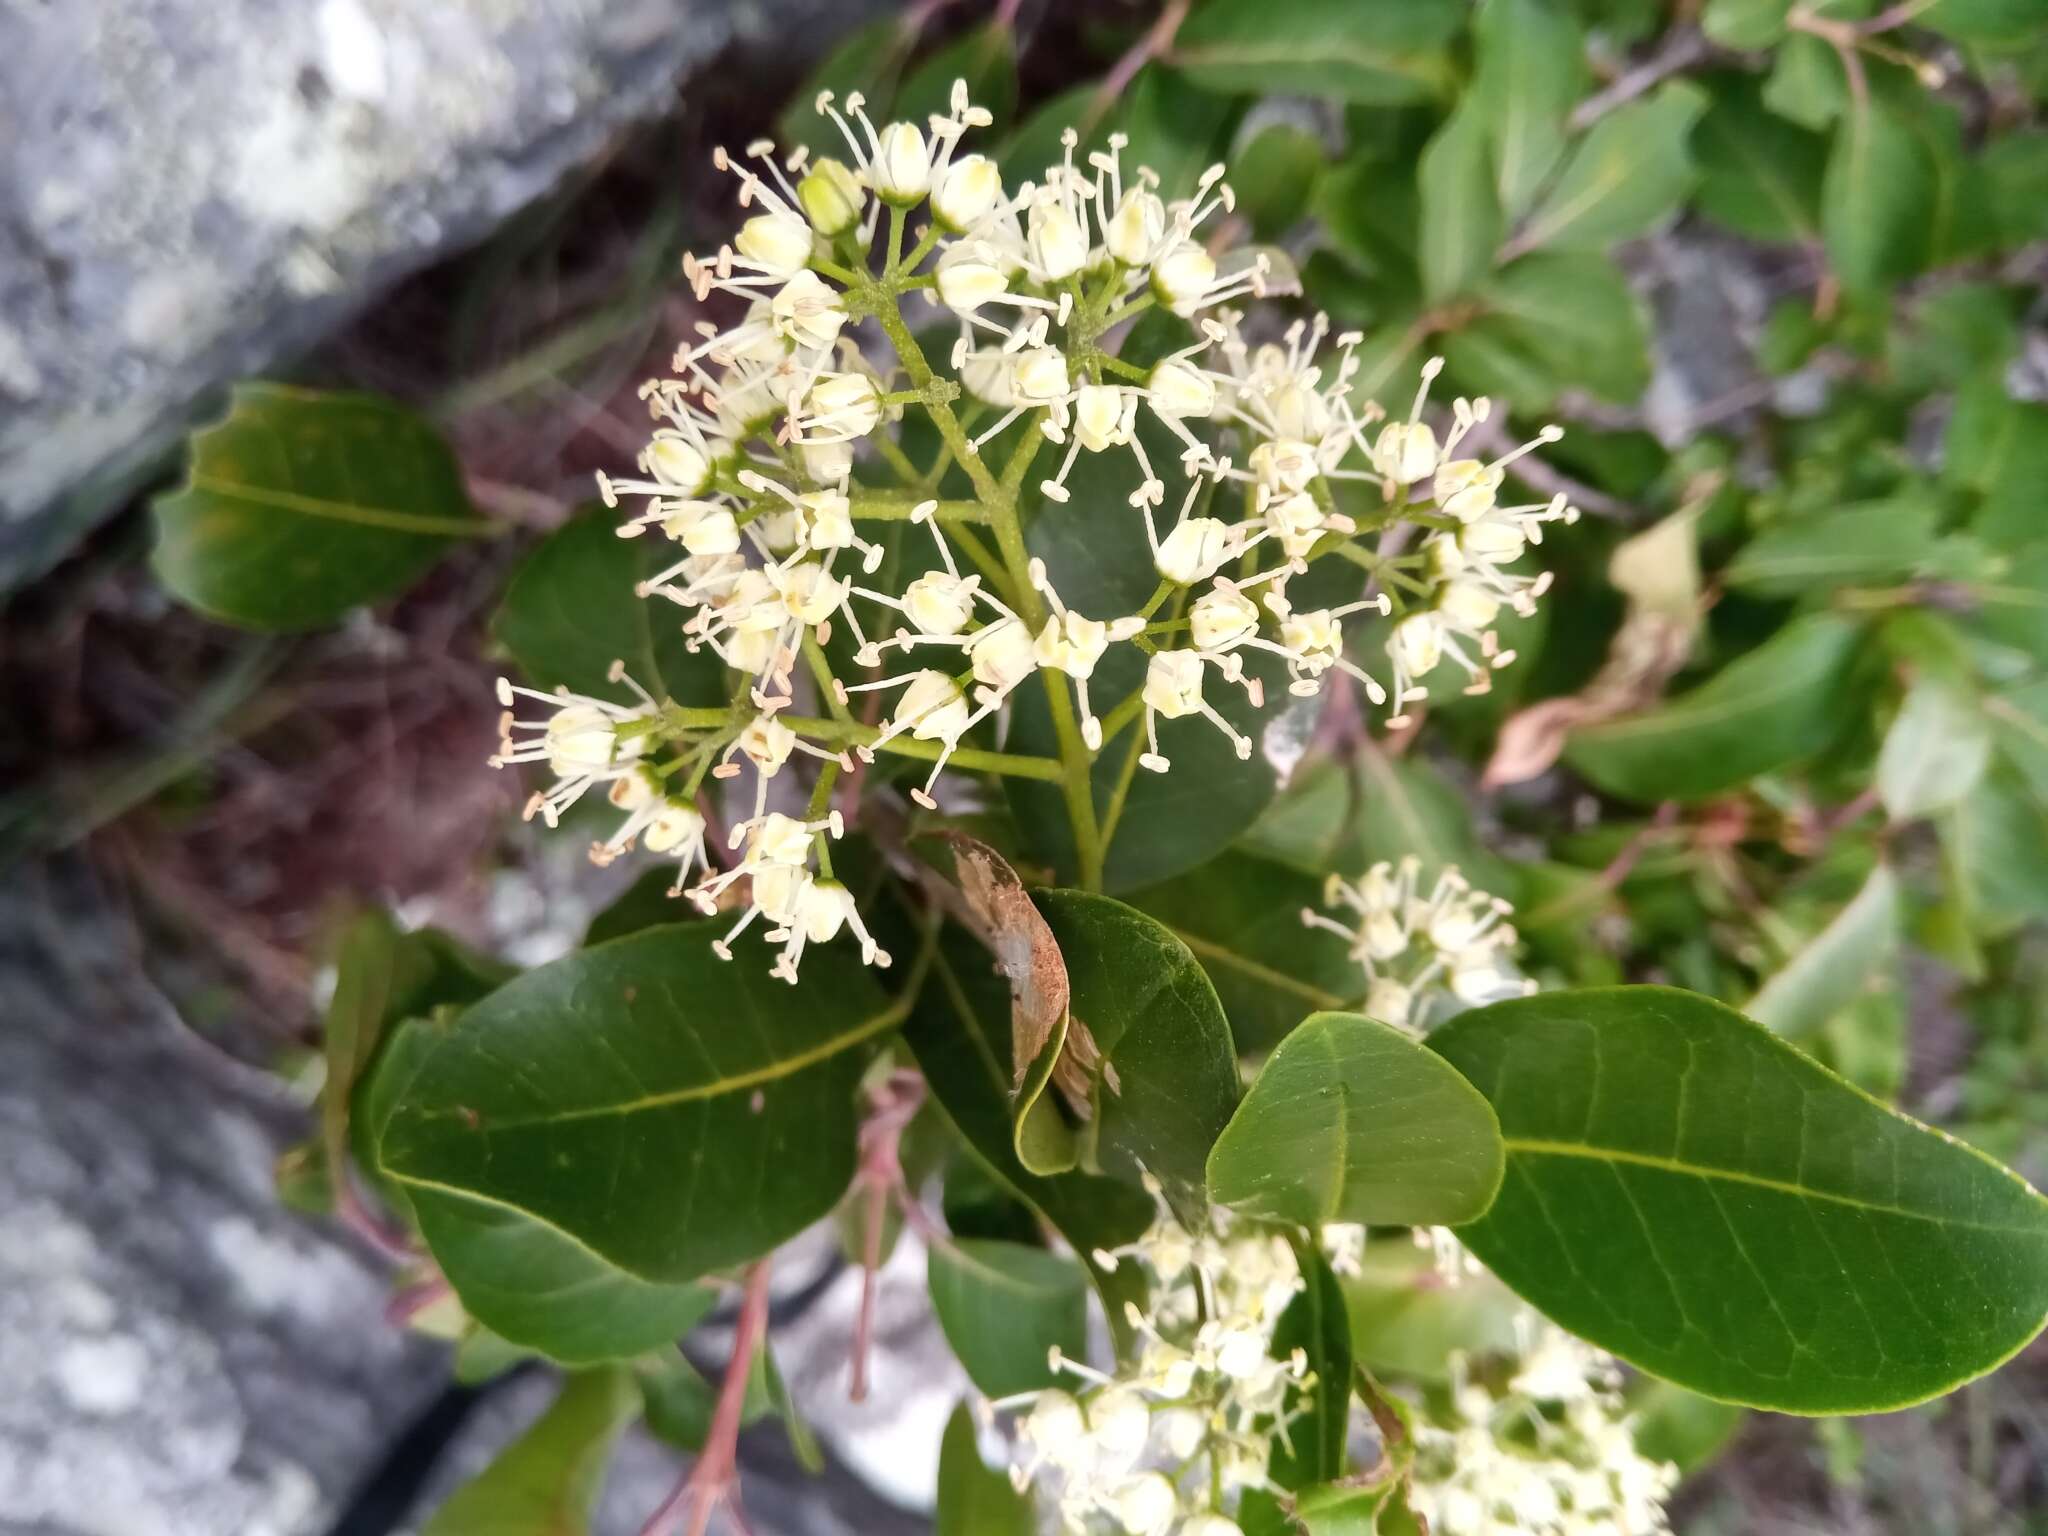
<point x="1779" y="736"/>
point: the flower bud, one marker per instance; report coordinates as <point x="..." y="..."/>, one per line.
<point x="678" y="823"/>
<point x="1178" y="390"/>
<point x="932" y="707"/>
<point x="847" y="403"/>
<point x="966" y="190"/>
<point x="678" y="463"/>
<point x="1136" y="228"/>
<point x="1405" y="452"/>
<point x="1119" y="1423"/>
<point x="1495" y="540"/>
<point x="902" y="171"/>
<point x="1467" y="605"/>
<point x="831" y="197"/>
<point x="808" y="311"/>
<point x="1173" y="684"/>
<point x="1417" y="643"/>
<point x="1465" y="488"/>
<point x="1098" y="416"/>
<point x="1194" y="551"/>
<point x="1002" y="654"/>
<point x="1147" y="1505"/>
<point x="938" y="604"/>
<point x="1182" y="275"/>
<point x="1057" y="242"/>
<point x="1041" y="376"/>
<point x="827" y="463"/>
<point x="1221" y="617"/>
<point x="965" y="283"/>
<point x="778" y="243"/>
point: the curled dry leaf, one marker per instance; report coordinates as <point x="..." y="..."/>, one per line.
<point x="1659" y="571"/>
<point x="1002" y="915"/>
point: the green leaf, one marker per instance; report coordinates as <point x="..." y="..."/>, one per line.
<point x="1872" y="541"/>
<point x="1375" y="55"/>
<point x="973" y="1500"/>
<point x="1628" y="173"/>
<point x="1529" y="71"/>
<point x="302" y="505"/>
<point x="868" y="59"/>
<point x="1690" y="1193"/>
<point x="1407" y="806"/>
<point x="1760" y="175"/>
<point x="1877" y="199"/>
<point x="2015" y="167"/>
<point x="1352" y="1120"/>
<point x="1806" y="84"/>
<point x="1997" y="840"/>
<point x="1991" y="24"/>
<point x="1241" y="916"/>
<point x="1681" y="1427"/>
<point x="569" y="613"/>
<point x="2013" y="610"/>
<point x="1461" y="216"/>
<point x="985" y="57"/>
<point x="1002" y="1306"/>
<point x="649" y="902"/>
<point x="644" y="1107"/>
<point x="1158" y="1024"/>
<point x="1996" y="449"/>
<point x="1312" y="1449"/>
<point x="1174" y="128"/>
<point x="959" y="1032"/>
<point x="1405" y="1321"/>
<point x="1777" y="704"/>
<point x="1841" y="963"/>
<point x="1275" y="176"/>
<point x="1937" y="749"/>
<point x="1169" y="822"/>
<point x="1553" y="321"/>
<point x="1745" y="23"/>
<point x="547" y="1481"/>
<point x="2019" y="719"/>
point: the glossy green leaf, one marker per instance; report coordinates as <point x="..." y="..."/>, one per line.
<point x="1989" y="24"/>
<point x="1629" y="172"/>
<point x="1168" y="822"/>
<point x="649" y="902"/>
<point x="569" y="613"/>
<point x="2013" y="608"/>
<point x="1158" y="1024"/>
<point x="1935" y="751"/>
<point x="1461" y="216"/>
<point x="642" y="1107"/>
<point x="1003" y="1306"/>
<point x="1760" y="175"/>
<point x="1877" y="199"/>
<point x="1319" y="1417"/>
<point x="1867" y="543"/>
<point x="1373" y="54"/>
<point x="547" y="1481"/>
<point x="1352" y="1120"/>
<point x="1690" y="1193"/>
<point x="2015" y="167"/>
<point x="1777" y="704"/>
<point x="959" y="1032"/>
<point x="1275" y="176"/>
<point x="975" y="1500"/>
<point x="1406" y="1321"/>
<point x="1241" y="916"/>
<point x="302" y="505"/>
<point x="1529" y="71"/>
<point x="1840" y="963"/>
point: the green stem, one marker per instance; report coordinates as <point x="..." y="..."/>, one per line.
<point x="1011" y="764"/>
<point x="885" y="506"/>
<point x="821" y="669"/>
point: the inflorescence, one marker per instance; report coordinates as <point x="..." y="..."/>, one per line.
<point x="750" y="475"/>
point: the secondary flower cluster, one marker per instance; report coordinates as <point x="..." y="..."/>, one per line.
<point x="750" y="477"/>
<point x="1543" y="1448"/>
<point x="1420" y="950"/>
<point x="1165" y="1445"/>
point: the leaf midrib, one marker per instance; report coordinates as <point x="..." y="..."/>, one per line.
<point x="1209" y="949"/>
<point x="786" y="1066"/>
<point x="1587" y="1152"/>
<point x="423" y="523"/>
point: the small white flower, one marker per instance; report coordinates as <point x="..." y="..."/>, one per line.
<point x="965" y="193"/>
<point x="1147" y="1505"/>
<point x="779" y="244"/>
<point x="831" y="197"/>
<point x="901" y="172"/>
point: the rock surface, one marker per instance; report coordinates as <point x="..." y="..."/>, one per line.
<point x="191" y="190"/>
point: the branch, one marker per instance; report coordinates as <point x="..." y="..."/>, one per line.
<point x="711" y="1480"/>
<point x="1681" y="48"/>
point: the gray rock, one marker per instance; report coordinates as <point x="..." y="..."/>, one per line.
<point x="183" y="1356"/>
<point x="191" y="190"/>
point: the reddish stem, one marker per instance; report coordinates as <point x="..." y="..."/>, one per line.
<point x="712" y="1480"/>
<point x="895" y="1103"/>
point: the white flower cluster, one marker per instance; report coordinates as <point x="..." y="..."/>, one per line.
<point x="749" y="473"/>
<point x="1548" y="1450"/>
<point x="1164" y="1447"/>
<point x="1420" y="950"/>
